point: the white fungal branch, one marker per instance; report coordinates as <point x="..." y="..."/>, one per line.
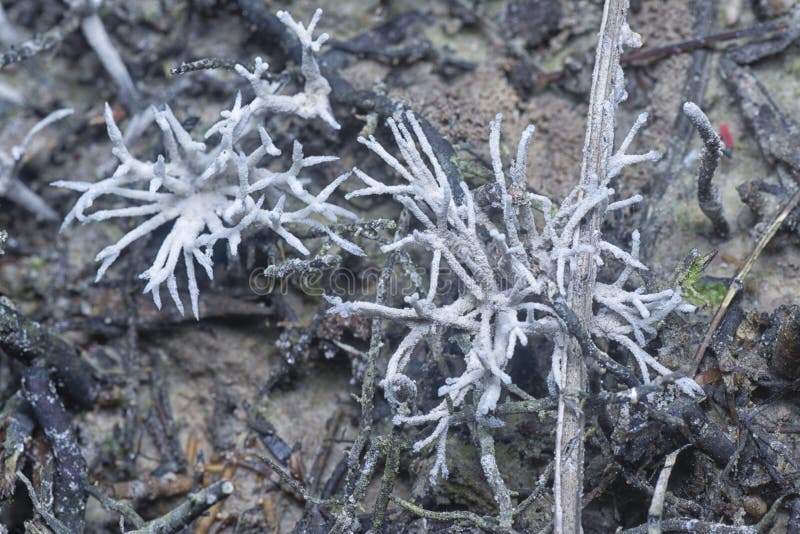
<point x="508" y="269"/>
<point x="11" y="187"/>
<point x="96" y="35"/>
<point x="313" y="101"/>
<point x="217" y="192"/>
<point x="708" y="196"/>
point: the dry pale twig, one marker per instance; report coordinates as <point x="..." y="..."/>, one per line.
<point x="182" y="516"/>
<point x="568" y="487"/>
<point x="660" y="492"/>
<point x="696" y="526"/>
<point x="738" y="280"/>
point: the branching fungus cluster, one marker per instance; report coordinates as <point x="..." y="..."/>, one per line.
<point x="214" y="190"/>
<point x="512" y="264"/>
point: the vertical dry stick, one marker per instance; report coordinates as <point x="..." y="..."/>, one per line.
<point x="568" y="487"/>
<point x="660" y="493"/>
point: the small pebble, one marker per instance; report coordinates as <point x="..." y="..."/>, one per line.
<point x="755" y="506"/>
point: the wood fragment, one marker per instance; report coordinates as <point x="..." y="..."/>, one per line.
<point x="41" y="42"/>
<point x="775" y="132"/>
<point x="129" y="514"/>
<point x="784" y="33"/>
<point x="192" y="508"/>
<point x="151" y="488"/>
<point x="42" y="509"/>
<point x="16" y="420"/>
<point x="207" y="521"/>
<point x="655" y="54"/>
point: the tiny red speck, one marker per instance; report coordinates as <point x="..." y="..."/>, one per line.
<point x="725" y="134"/>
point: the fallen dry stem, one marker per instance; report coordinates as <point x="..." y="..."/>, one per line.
<point x="568" y="486"/>
<point x="738" y="281"/>
<point x="660" y="492"/>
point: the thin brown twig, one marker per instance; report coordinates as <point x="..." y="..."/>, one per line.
<point x="661" y="52"/>
<point x="649" y="55"/>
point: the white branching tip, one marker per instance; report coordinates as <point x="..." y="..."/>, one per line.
<point x="708" y="196"/>
<point x="114" y="134"/>
<point x="520" y="164"/>
<point x="304" y="33"/>
<point x="621" y="159"/>
<point x="313" y="101"/>
<point x="14" y="189"/>
<point x="18" y="151"/>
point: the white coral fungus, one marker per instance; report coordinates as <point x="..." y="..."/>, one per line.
<point x="216" y="192"/>
<point x="510" y="270"/>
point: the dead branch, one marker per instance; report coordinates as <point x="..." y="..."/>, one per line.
<point x="287" y="479"/>
<point x="704" y="434"/>
<point x="782" y="32"/>
<point x="456" y="516"/>
<point x="17" y="422"/>
<point x="128" y="513"/>
<point x="205" y="64"/>
<point x="355" y="485"/>
<point x="589" y="349"/>
<point x="42" y="42"/>
<point x="696" y="526"/>
<point x="42" y="509"/>
<point x="152" y="488"/>
<point x="775" y="132"/>
<point x="182" y="516"/>
<point x="28" y="341"/>
<point x="660" y="491"/>
<point x="70" y="468"/>
<point x="568" y="486"/>
<point x="390" y="470"/>
<point x="654" y="54"/>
